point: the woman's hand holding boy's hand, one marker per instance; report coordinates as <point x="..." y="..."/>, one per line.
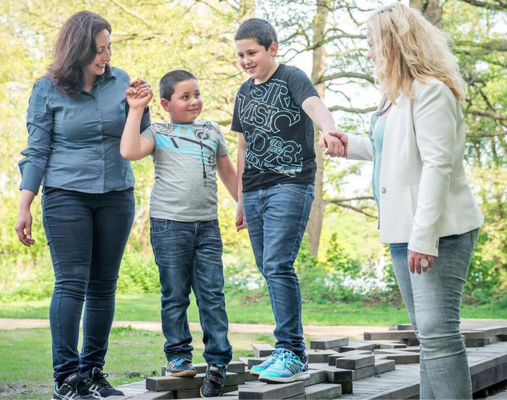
<point x="344" y="139"/>
<point x="138" y="99"/>
<point x="331" y="145"/>
<point x="141" y="86"/>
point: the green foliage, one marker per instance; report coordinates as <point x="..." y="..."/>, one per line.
<point x="323" y="282"/>
<point x="483" y="277"/>
<point x="138" y="274"/>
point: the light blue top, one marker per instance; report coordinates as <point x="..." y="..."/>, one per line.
<point x="377" y="130"/>
<point x="74" y="142"/>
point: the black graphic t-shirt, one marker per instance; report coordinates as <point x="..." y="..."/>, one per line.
<point x="279" y="134"/>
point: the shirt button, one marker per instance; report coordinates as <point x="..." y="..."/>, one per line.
<point x="384" y="190"/>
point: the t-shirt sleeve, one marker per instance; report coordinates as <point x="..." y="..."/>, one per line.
<point x="300" y="86"/>
<point x="150" y="133"/>
<point x="236" y="122"/>
<point x="222" y="149"/>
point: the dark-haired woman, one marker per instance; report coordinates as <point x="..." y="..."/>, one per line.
<point x="75" y="119"/>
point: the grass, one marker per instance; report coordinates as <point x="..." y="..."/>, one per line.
<point x="26" y="371"/>
<point x="256" y="309"/>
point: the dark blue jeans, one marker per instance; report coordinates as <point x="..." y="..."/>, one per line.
<point x="276" y="219"/>
<point x="189" y="256"/>
<point x="86" y="234"/>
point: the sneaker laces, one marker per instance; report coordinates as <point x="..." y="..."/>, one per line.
<point x="276" y="354"/>
<point x="99" y="378"/>
<point x="288" y="358"/>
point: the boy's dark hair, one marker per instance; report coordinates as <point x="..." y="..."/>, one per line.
<point x="75" y="48"/>
<point x="259" y="29"/>
<point x="169" y="81"/>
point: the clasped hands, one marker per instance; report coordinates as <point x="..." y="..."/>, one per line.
<point x="334" y="144"/>
<point x="139" y="93"/>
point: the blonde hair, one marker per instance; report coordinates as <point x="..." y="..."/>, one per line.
<point x="408" y="47"/>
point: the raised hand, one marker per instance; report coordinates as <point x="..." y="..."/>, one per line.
<point x="138" y="99"/>
<point x="142" y="88"/>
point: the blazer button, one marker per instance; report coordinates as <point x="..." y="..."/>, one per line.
<point x="384" y="190"/>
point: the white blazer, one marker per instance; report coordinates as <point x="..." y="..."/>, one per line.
<point x="424" y="193"/>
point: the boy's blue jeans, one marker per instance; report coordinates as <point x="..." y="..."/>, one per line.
<point x="433" y="300"/>
<point x="189" y="256"/>
<point x="86" y="234"/>
<point x="276" y="219"/>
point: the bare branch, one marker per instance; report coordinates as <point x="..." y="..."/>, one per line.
<point x="482" y="4"/>
<point x="338" y="75"/>
<point x="353" y="109"/>
<point x="471" y="134"/>
<point x="488" y="114"/>
<point x="131" y="12"/>
<point x="344" y="205"/>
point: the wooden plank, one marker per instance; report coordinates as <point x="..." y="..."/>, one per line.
<point x="270" y="391"/>
<point x="358" y="346"/>
<point x="172" y="383"/>
<point x="151" y="396"/>
<point x="323" y="391"/>
<point x="316" y="377"/>
<point x="262" y="350"/>
<point x="319" y="356"/>
<point x="391" y="335"/>
<point x="339" y="375"/>
<point x="333" y="357"/>
<point x="355" y="362"/>
<point x="383" y="366"/>
<point x="329" y="343"/>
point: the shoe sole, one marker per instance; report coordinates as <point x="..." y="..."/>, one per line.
<point x="189" y="373"/>
<point x="254" y="372"/>
<point x="302" y="376"/>
<point x="203" y="396"/>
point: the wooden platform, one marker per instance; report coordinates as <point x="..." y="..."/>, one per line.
<point x="488" y="366"/>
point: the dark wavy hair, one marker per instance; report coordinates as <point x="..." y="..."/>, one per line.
<point x="75" y="48"/>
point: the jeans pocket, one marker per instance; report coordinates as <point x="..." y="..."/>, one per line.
<point x="294" y="188"/>
<point x="160" y="226"/>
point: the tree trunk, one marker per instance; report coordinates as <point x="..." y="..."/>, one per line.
<point x="319" y="63"/>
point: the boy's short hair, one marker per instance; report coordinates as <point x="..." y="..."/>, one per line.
<point x="259" y="29"/>
<point x="169" y="81"/>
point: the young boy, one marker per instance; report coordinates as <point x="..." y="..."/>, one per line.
<point x="184" y="228"/>
<point x="273" y="115"/>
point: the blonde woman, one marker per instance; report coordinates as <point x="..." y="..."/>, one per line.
<point x="427" y="212"/>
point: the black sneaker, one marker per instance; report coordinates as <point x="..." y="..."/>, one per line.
<point x="73" y="388"/>
<point x="214" y="382"/>
<point x="181" y="367"/>
<point x="99" y="386"/>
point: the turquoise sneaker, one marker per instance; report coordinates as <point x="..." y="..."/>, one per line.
<point x="258" y="369"/>
<point x="286" y="368"/>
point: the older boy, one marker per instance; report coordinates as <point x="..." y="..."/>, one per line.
<point x="184" y="228"/>
<point x="273" y="114"/>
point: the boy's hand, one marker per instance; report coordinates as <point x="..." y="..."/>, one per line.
<point x="344" y="138"/>
<point x="138" y="99"/>
<point x="240" y="218"/>
<point x="141" y="87"/>
<point x="331" y="145"/>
